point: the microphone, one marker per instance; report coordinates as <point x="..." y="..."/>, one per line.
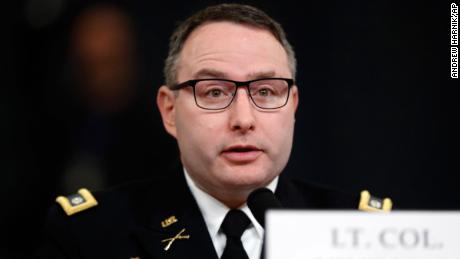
<point x="259" y="201"/>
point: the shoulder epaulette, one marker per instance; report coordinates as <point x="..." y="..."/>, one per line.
<point x="371" y="203"/>
<point x="77" y="202"/>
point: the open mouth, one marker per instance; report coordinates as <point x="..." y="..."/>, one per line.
<point x="241" y="149"/>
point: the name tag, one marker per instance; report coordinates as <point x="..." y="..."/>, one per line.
<point x="302" y="234"/>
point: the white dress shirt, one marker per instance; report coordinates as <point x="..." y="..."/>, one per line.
<point x="214" y="212"/>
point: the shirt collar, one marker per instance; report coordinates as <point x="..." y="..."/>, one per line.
<point x="214" y="211"/>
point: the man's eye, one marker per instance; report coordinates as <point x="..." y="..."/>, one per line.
<point x="215" y="93"/>
<point x="264" y="92"/>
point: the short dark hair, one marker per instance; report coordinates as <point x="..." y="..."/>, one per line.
<point x="236" y="13"/>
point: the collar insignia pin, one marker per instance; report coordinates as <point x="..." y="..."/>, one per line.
<point x="172" y="239"/>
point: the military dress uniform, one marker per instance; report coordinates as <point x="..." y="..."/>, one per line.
<point x="160" y="219"/>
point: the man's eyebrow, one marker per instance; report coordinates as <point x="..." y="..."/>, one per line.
<point x="262" y="74"/>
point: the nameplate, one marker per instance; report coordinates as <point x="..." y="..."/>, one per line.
<point x="302" y="234"/>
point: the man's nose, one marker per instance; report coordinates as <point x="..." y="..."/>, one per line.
<point x="242" y="112"/>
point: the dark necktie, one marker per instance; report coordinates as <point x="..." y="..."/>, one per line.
<point x="233" y="226"/>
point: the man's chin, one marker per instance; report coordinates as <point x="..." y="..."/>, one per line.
<point x="246" y="176"/>
<point x="247" y="183"/>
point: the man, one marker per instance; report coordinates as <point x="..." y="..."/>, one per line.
<point x="230" y="101"/>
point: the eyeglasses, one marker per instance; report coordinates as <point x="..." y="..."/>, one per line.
<point x="217" y="94"/>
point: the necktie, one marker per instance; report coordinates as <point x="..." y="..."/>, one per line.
<point x="233" y="226"/>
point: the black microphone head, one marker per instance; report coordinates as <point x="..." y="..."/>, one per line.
<point x="259" y="201"/>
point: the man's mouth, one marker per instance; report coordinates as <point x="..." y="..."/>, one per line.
<point x="241" y="153"/>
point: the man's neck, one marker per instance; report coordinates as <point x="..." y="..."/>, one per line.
<point x="233" y="199"/>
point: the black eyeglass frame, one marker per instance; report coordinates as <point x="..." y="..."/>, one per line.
<point x="192" y="83"/>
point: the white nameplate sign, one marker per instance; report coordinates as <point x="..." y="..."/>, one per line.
<point x="307" y="234"/>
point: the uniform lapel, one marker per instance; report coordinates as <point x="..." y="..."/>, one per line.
<point x="289" y="196"/>
<point x="173" y="227"/>
<point x="303" y="195"/>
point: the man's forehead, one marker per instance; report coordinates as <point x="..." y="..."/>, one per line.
<point x="212" y="47"/>
<point x="227" y="28"/>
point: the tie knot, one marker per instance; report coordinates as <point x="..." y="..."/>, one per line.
<point x="235" y="223"/>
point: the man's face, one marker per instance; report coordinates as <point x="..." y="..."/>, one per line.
<point x="230" y="152"/>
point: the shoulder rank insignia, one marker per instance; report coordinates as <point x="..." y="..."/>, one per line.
<point x="371" y="203"/>
<point x="77" y="202"/>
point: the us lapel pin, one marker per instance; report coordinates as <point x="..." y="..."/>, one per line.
<point x="169" y="221"/>
<point x="172" y="239"/>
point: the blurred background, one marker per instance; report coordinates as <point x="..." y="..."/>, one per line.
<point x="77" y="106"/>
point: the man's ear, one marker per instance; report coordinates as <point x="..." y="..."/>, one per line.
<point x="166" y="104"/>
